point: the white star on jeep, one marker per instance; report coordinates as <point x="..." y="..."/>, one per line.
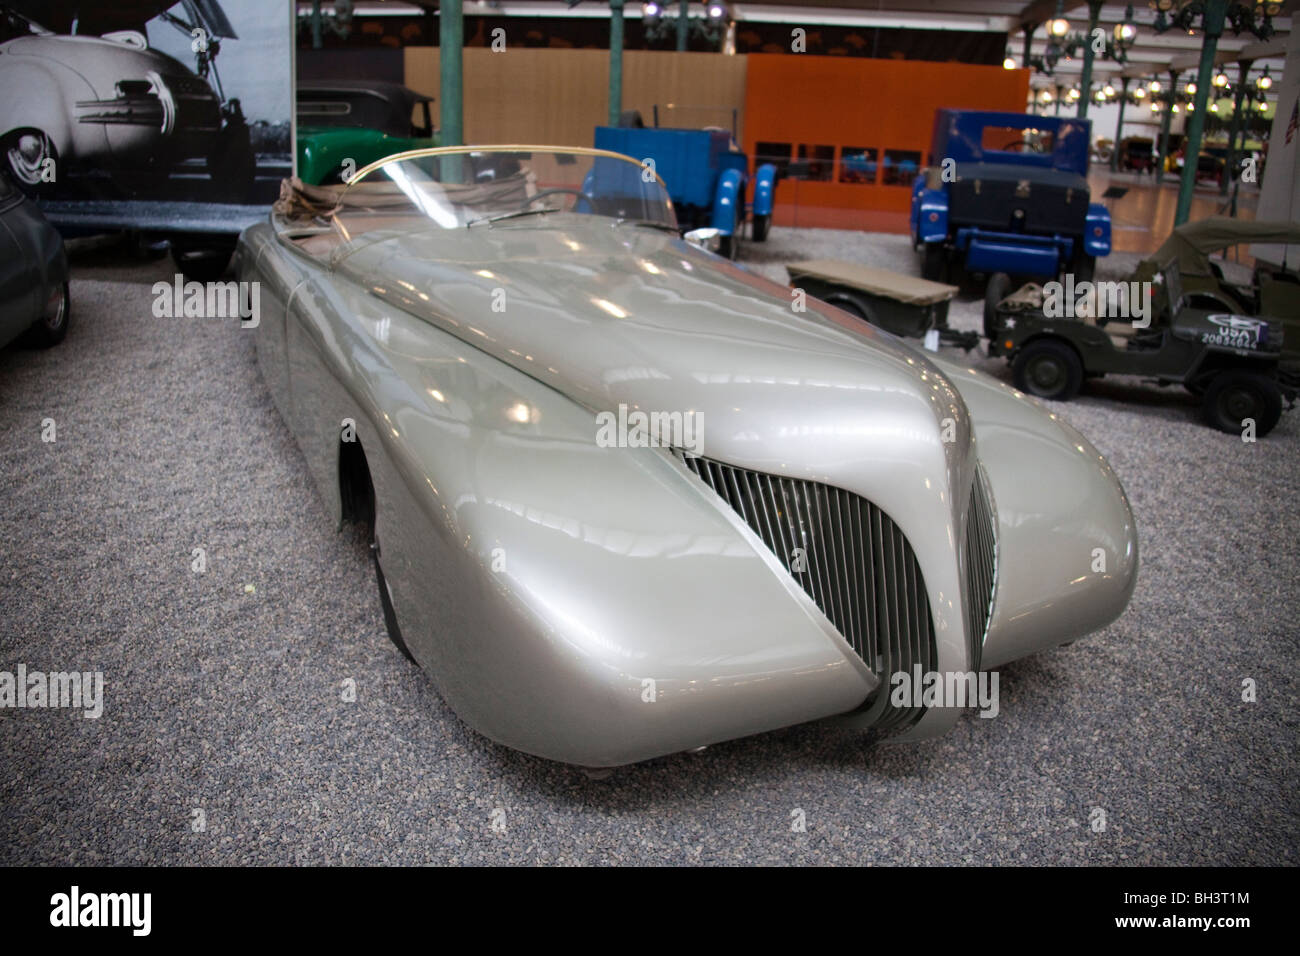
<point x="1010" y="323"/>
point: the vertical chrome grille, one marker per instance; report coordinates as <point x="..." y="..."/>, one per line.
<point x="851" y="559"/>
<point x="981" y="569"/>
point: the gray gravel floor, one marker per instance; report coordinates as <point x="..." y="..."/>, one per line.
<point x="223" y="688"/>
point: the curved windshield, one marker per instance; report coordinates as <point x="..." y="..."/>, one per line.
<point x="466" y="188"/>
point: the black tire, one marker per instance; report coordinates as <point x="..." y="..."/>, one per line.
<point x="934" y="264"/>
<point x="761" y="227"/>
<point x="201" y="262"/>
<point x="1085" y="267"/>
<point x="51" y="328"/>
<point x="729" y="246"/>
<point x="1048" y="368"/>
<point x="386" y="599"/>
<point x="998" y="288"/>
<point x="852" y="307"/>
<point x="1235" y="395"/>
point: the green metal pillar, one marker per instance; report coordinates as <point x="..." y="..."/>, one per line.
<point x="615" y="61"/>
<point x="315" y="25"/>
<point x="683" y="24"/>
<point x="1119" y="127"/>
<point x="1215" y="13"/>
<point x="451" y="40"/>
<point x="1028" y="31"/>
<point x="1238" y="100"/>
<point x="1085" y="80"/>
<point x="1165" y="122"/>
<point x="1058" y="100"/>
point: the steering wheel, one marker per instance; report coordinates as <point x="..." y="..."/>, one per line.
<point x="550" y="192"/>
<point x="1016" y="144"/>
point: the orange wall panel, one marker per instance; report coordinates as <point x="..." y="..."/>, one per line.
<point x="880" y="104"/>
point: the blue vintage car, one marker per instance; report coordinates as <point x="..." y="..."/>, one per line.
<point x="707" y="176"/>
<point x="1007" y="192"/>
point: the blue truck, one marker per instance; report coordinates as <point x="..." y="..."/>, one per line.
<point x="1007" y="193"/>
<point x="707" y="176"/>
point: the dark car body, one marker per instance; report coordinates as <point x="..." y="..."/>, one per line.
<point x="33" y="269"/>
<point x="1273" y="290"/>
<point x="1008" y="192"/>
<point x="1228" y="360"/>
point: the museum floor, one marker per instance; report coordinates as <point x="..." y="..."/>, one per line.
<point x="222" y="689"/>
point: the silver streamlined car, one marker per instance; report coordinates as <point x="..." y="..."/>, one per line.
<point x="463" y="342"/>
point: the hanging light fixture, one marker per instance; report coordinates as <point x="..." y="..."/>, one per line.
<point x="1255" y="16"/>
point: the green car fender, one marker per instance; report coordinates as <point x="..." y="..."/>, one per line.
<point x="325" y="155"/>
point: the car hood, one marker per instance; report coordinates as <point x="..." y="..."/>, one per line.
<point x="624" y="317"/>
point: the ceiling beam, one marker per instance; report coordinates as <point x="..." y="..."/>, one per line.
<point x="1040" y="11"/>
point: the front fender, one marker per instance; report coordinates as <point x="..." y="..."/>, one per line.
<point x="727" y="199"/>
<point x="1067" y="546"/>
<point x="764" y="189"/>
<point x="591" y="605"/>
<point x="1096" y="236"/>
<point x="931" y="215"/>
<point x="47" y="86"/>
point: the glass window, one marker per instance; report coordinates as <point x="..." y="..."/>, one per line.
<point x="814" y="163"/>
<point x="778" y="154"/>
<point x="1010" y="139"/>
<point x="411" y="197"/>
<point x="901" y="167"/>
<point x="858" y="165"/>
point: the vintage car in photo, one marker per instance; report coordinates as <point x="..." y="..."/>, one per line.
<point x="101" y="103"/>
<point x="468" y="343"/>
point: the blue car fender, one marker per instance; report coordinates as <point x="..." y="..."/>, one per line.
<point x="728" y="197"/>
<point x="764" y="189"/>
<point x="1096" y="235"/>
<point x="930" y="221"/>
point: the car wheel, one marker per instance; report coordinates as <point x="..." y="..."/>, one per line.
<point x="1236" y="395"/>
<point x="201" y="262"/>
<point x="28" y="153"/>
<point x="386" y="599"/>
<point x="762" y="226"/>
<point x="1048" y="368"/>
<point x="729" y="246"/>
<point x="52" y="326"/>
<point x="998" y="288"/>
<point x="934" y="266"/>
<point x="852" y="307"/>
